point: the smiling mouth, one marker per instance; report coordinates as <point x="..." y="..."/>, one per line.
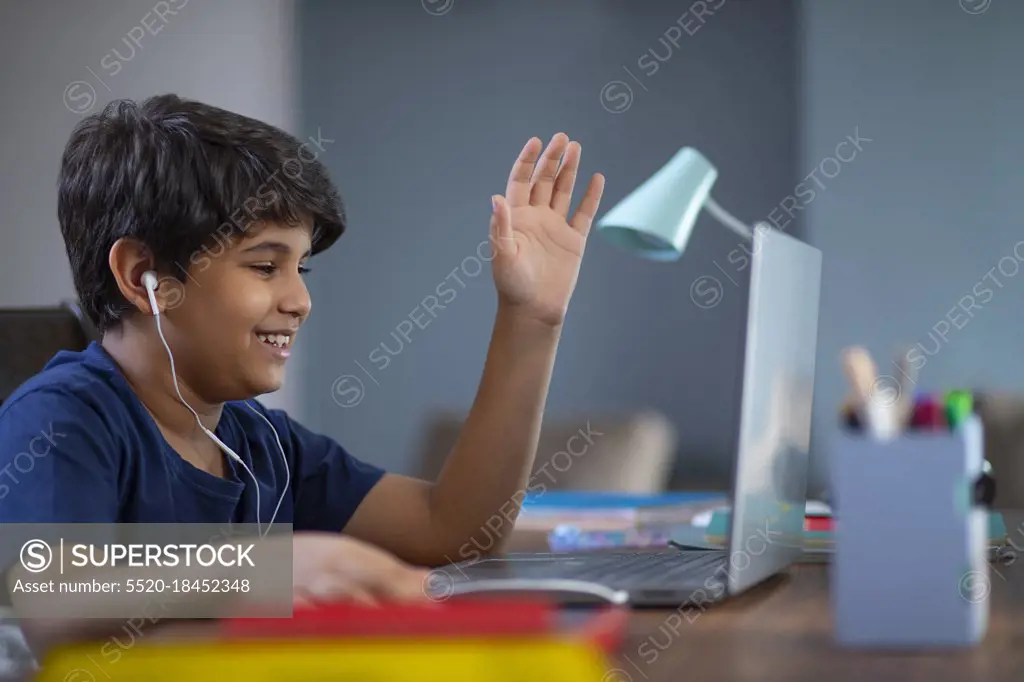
<point x="276" y="340"/>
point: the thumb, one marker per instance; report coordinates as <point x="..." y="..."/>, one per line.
<point x="502" y="239"/>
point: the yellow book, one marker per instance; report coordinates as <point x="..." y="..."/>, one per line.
<point x="379" y="660"/>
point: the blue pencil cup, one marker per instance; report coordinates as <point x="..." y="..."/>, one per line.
<point x="910" y="567"/>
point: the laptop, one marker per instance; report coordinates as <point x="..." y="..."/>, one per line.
<point x="769" y="487"/>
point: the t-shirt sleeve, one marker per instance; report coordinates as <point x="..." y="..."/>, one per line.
<point x="58" y="462"/>
<point x="328" y="483"/>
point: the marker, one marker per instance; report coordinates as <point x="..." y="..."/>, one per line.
<point x="959" y="407"/>
<point x="928" y="414"/>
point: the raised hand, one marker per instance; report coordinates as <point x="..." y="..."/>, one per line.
<point x="538" y="250"/>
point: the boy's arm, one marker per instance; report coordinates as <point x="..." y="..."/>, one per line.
<point x="472" y="506"/>
<point x="537" y="255"/>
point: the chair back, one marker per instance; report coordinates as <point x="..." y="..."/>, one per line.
<point x="30" y="337"/>
<point x="631" y="452"/>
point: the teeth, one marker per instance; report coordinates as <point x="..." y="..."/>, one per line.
<point x="277" y="340"/>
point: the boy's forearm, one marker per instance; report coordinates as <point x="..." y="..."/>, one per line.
<point x="478" y="492"/>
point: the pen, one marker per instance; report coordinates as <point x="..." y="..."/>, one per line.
<point x="861" y="372"/>
<point x="881" y="417"/>
<point x="849" y="415"/>
<point x="907" y="380"/>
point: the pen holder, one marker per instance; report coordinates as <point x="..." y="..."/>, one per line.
<point x="910" y="567"/>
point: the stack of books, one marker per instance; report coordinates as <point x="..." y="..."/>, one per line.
<point x="612" y="511"/>
<point x="465" y="639"/>
<point x="819" y="530"/>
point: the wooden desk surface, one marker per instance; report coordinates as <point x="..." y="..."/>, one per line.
<point x="781" y="631"/>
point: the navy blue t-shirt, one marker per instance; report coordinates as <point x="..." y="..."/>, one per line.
<point x="77" y="445"/>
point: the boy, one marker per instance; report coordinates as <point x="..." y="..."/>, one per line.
<point x="206" y="215"/>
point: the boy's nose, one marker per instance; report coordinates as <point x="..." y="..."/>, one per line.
<point x="296" y="302"/>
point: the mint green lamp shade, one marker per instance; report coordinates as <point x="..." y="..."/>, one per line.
<point x="655" y="220"/>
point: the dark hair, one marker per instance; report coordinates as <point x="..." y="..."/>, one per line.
<point x="176" y="174"/>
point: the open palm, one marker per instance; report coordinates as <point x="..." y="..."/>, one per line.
<point x="538" y="250"/>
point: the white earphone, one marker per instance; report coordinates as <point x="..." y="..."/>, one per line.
<point x="150" y="282"/>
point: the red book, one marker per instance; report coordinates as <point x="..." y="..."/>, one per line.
<point x="480" y="617"/>
<point x="604" y="628"/>
<point x="432" y="619"/>
<point x="818" y="524"/>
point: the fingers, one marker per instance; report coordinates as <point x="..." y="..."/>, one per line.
<point x="402" y="584"/>
<point x="302" y="600"/>
<point x="502" y="238"/>
<point x="363" y="598"/>
<point x="543" y="178"/>
<point x="518" y="190"/>
<point x="566" y="179"/>
<point x="410" y="587"/>
<point x="584" y="216"/>
<point x="335" y="588"/>
<point x="395" y="580"/>
<point x="308" y="600"/>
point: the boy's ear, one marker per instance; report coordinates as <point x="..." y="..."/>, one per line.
<point x="129" y="260"/>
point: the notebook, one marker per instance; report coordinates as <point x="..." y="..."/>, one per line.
<point x="594" y="510"/>
<point x="819" y="527"/>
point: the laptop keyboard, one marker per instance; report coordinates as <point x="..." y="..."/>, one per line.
<point x="623" y="569"/>
<point x="643" y="567"/>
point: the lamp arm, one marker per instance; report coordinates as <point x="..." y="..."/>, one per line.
<point x="727" y="219"/>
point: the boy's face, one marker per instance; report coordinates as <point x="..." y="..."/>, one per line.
<point x="240" y="309"/>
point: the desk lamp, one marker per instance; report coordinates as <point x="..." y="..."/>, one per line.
<point x="655" y="220"/>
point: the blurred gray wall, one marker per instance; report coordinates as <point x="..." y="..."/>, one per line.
<point x="919" y="231"/>
<point x="62" y="61"/>
<point x="431" y="102"/>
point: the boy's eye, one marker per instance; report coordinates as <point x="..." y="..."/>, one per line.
<point x="270" y="268"/>
<point x="265" y="268"/>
